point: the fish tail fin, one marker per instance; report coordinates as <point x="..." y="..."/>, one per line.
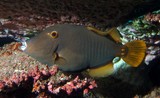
<point x="133" y="52"/>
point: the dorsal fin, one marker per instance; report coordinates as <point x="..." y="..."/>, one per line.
<point x="113" y="32"/>
<point x="97" y="31"/>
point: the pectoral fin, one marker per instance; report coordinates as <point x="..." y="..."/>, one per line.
<point x="113" y="32"/>
<point x="58" y="60"/>
<point x="102" y="71"/>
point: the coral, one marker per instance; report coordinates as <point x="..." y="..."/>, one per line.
<point x="145" y="28"/>
<point x="142" y="28"/>
<point x="153" y="17"/>
<point x="101" y="14"/>
<point x="23" y="72"/>
<point x="153" y="94"/>
<point x="22" y="76"/>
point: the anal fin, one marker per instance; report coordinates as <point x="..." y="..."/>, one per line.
<point x="102" y="71"/>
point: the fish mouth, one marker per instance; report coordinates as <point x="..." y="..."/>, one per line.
<point x="41" y="54"/>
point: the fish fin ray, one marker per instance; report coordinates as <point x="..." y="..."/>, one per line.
<point x="102" y="71"/>
<point x="135" y="52"/>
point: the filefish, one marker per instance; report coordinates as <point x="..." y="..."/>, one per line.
<point x="77" y="48"/>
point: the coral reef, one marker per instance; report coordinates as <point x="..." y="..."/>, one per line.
<point x="22" y="76"/>
<point x="102" y="13"/>
<point x="152" y="17"/>
<point x="144" y="28"/>
<point x="21" y="71"/>
<point x="153" y="94"/>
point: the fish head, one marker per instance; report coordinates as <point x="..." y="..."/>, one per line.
<point x="43" y="46"/>
<point x="58" y="45"/>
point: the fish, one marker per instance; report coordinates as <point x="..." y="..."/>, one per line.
<point x="79" y="48"/>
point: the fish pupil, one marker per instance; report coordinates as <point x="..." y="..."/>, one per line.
<point x="54" y="34"/>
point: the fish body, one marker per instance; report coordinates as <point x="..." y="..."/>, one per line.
<point x="79" y="47"/>
<point x="73" y="48"/>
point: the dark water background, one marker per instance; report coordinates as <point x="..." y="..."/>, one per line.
<point x="6" y="40"/>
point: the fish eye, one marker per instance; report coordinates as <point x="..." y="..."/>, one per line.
<point x="53" y="34"/>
